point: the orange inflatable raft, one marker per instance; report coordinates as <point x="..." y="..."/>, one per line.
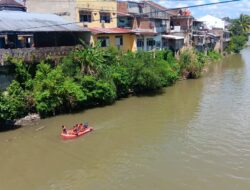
<point x="71" y="134"/>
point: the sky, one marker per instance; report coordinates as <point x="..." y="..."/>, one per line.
<point x="232" y="10"/>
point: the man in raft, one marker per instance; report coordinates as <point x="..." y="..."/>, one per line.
<point x="64" y="129"/>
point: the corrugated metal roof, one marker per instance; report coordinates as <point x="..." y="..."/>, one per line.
<point x="11" y="3"/>
<point x="19" y="21"/>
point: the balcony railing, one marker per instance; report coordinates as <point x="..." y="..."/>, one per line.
<point x="180" y="29"/>
<point x="162" y="29"/>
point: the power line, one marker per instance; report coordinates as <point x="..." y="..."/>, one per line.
<point x="170" y="9"/>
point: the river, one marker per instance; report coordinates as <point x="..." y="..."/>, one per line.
<point x="193" y="136"/>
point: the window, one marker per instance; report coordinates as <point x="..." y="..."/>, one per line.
<point x="140" y="10"/>
<point x="150" y="42"/>
<point x="132" y="5"/>
<point x="104" y="41"/>
<point x="105" y="17"/>
<point x="140" y="43"/>
<point x="158" y="44"/>
<point x="118" y="41"/>
<point x="85" y="16"/>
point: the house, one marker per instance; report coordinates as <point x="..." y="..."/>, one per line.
<point x="217" y="27"/>
<point x="99" y="16"/>
<point x="121" y="38"/>
<point x="88" y="13"/>
<point x="212" y="22"/>
<point x="150" y="22"/>
<point x="21" y="29"/>
<point x="181" y="25"/>
<point x="32" y="34"/>
<point x="199" y="35"/>
<point x="173" y="43"/>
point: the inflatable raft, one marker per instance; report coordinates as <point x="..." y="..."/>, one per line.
<point x="71" y="134"/>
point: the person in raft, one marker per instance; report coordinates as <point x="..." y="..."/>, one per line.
<point x="76" y="129"/>
<point x="86" y="125"/>
<point x="64" y="129"/>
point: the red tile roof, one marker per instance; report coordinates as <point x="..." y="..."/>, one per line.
<point x="110" y="31"/>
<point x="124" y="14"/>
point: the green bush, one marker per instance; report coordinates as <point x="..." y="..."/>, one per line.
<point x="237" y="43"/>
<point x="98" y="91"/>
<point x="54" y="92"/>
<point x="151" y="72"/>
<point x="214" y="55"/>
<point x="190" y="65"/>
<point x="122" y="80"/>
<point x="12" y="102"/>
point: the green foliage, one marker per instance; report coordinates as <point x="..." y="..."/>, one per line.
<point x="190" y="65"/>
<point x="22" y="74"/>
<point x="89" y="59"/>
<point x="54" y="92"/>
<point x="122" y="80"/>
<point x="202" y="57"/>
<point x="70" y="67"/>
<point x="98" y="91"/>
<point x="239" y="28"/>
<point x="237" y="43"/>
<point x="240" y="25"/>
<point x="214" y="55"/>
<point x="151" y="72"/>
<point x="12" y="102"/>
<point x="92" y="76"/>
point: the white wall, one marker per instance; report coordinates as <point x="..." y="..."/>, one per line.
<point x="212" y="22"/>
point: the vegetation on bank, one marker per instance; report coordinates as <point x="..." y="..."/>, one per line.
<point x="92" y="76"/>
<point x="239" y="31"/>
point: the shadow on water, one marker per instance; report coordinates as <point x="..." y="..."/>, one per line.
<point x="8" y="126"/>
<point x="151" y="93"/>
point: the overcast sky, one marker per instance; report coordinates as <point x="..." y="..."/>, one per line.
<point x="220" y="10"/>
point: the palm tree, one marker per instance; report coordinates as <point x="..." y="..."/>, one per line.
<point x="240" y="26"/>
<point x="244" y="22"/>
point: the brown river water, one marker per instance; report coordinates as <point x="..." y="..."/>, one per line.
<point x="193" y="136"/>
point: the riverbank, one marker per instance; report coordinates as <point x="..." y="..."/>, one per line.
<point x="91" y="77"/>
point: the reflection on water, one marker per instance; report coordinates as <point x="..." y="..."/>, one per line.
<point x="195" y="135"/>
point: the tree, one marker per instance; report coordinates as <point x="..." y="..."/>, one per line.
<point x="239" y="29"/>
<point x="12" y="102"/>
<point x="237" y="43"/>
<point x="54" y="92"/>
<point x="244" y="22"/>
<point x="89" y="58"/>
